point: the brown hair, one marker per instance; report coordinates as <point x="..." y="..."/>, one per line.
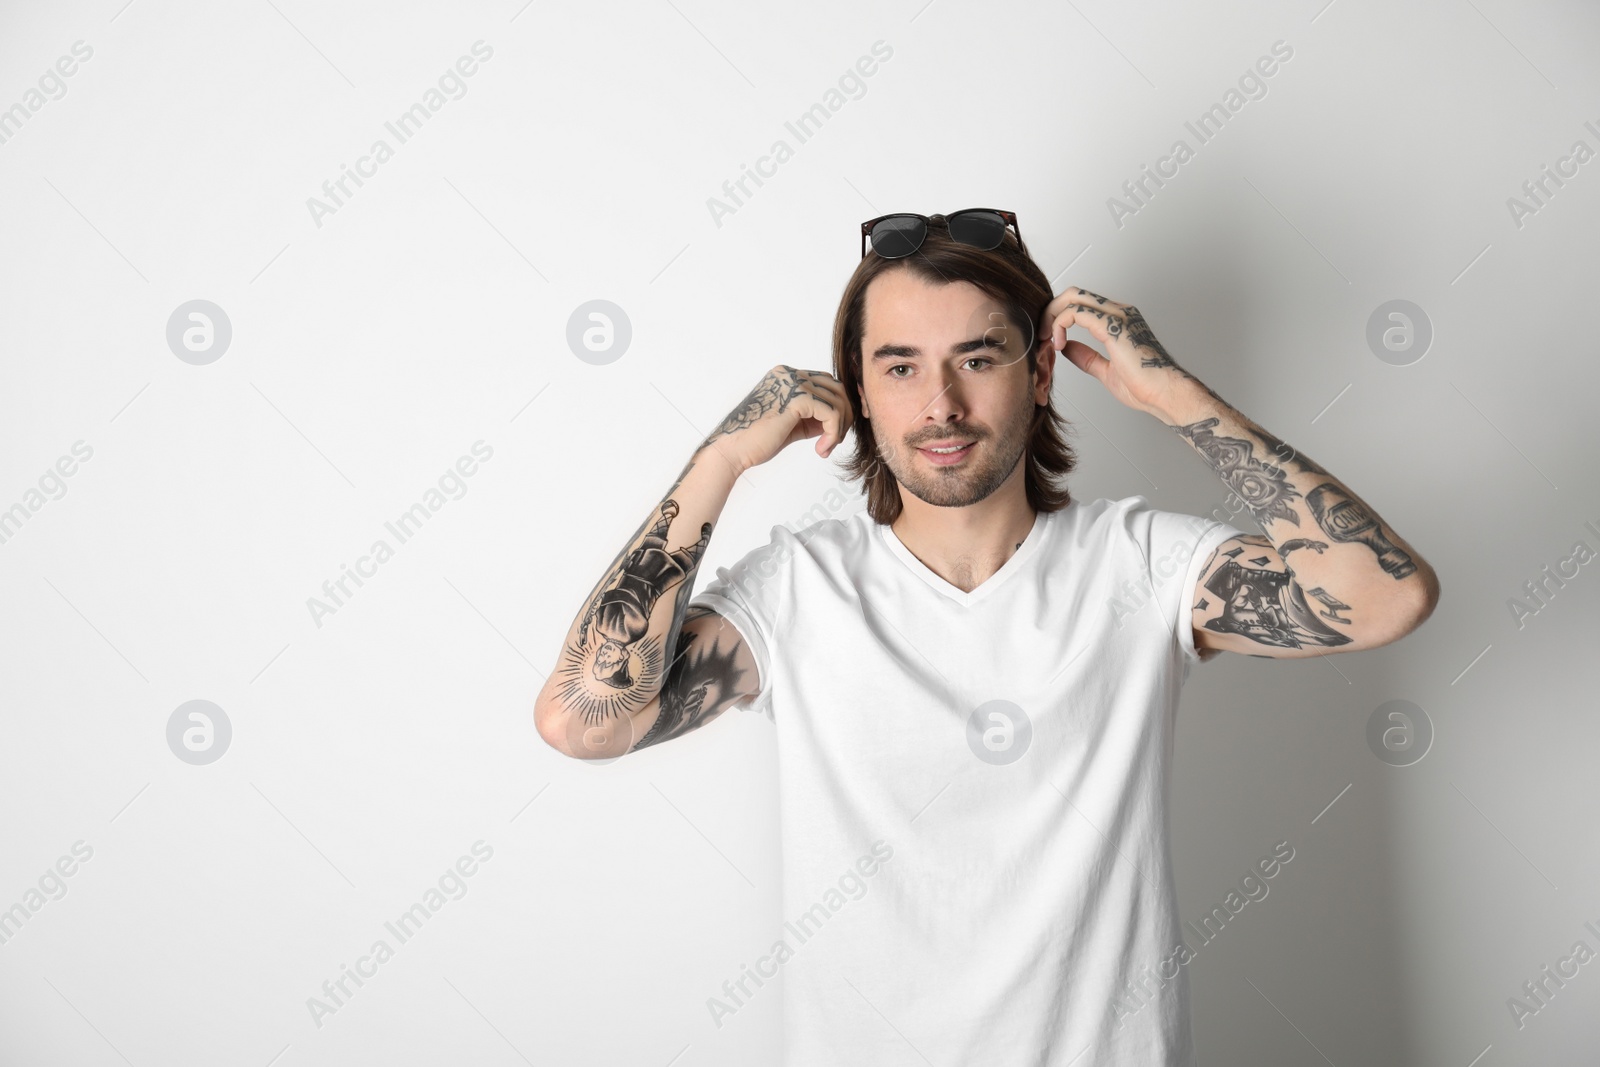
<point x="1009" y="275"/>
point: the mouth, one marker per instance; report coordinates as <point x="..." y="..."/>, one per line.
<point x="948" y="453"/>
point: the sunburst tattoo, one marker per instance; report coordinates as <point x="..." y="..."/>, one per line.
<point x="597" y="701"/>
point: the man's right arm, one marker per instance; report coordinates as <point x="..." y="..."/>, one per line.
<point x="630" y="675"/>
<point x="616" y="687"/>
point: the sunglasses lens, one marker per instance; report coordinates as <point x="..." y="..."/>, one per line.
<point x="898" y="236"/>
<point x="982" y="229"/>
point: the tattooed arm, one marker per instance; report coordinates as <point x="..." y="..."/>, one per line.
<point x="1330" y="574"/>
<point x="616" y="688"/>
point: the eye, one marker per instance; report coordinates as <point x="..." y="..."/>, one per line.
<point x="980" y="359"/>
<point x="891" y="371"/>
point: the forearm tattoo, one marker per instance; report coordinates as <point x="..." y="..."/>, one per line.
<point x="1266" y="490"/>
<point x="699" y="683"/>
<point x="1285" y="453"/>
<point x="614" y="667"/>
<point x="1265" y="603"/>
<point x="1299" y="542"/>
<point x="1264" y="487"/>
<point x="1344" y="519"/>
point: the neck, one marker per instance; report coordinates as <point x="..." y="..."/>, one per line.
<point x="965" y="546"/>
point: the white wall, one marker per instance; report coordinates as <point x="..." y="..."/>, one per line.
<point x="374" y="345"/>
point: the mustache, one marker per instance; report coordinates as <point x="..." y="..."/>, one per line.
<point x="959" y="438"/>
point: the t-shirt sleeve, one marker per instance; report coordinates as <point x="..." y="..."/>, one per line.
<point x="747" y="594"/>
<point x="1175" y="547"/>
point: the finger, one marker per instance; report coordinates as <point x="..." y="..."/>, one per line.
<point x="815" y="404"/>
<point x="830" y="389"/>
<point x="837" y="423"/>
<point x="818" y="377"/>
<point x="1102" y="324"/>
<point x="1087" y="360"/>
<point x="819" y="409"/>
<point x="827" y="385"/>
<point x="1061" y="321"/>
<point x="1074" y="295"/>
<point x="1096" y="297"/>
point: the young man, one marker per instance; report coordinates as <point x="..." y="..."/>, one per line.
<point x="974" y="681"/>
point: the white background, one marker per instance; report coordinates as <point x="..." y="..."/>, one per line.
<point x="430" y="311"/>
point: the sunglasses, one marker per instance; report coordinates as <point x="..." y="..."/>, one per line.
<point x="899" y="235"/>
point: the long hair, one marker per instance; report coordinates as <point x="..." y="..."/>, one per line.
<point x="1008" y="275"/>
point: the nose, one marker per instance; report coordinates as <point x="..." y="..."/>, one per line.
<point x="945" y="400"/>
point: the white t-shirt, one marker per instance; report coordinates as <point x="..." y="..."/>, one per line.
<point x="973" y="789"/>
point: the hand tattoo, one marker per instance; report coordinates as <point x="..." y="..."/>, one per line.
<point x="772" y="393"/>
<point x="1142" y="336"/>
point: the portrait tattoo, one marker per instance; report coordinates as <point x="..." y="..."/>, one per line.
<point x="623" y="664"/>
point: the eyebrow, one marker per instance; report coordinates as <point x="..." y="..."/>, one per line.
<point x="912" y="352"/>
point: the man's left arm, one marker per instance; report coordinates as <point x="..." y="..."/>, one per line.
<point x="1329" y="576"/>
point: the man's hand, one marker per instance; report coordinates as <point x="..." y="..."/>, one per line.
<point x="1136" y="369"/>
<point x="786" y="405"/>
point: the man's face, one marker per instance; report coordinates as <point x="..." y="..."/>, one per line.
<point x="941" y="364"/>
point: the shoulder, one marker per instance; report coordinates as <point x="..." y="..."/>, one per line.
<point x="1107" y="519"/>
<point x="1135" y="508"/>
<point x="821" y="540"/>
<point x="829" y="538"/>
<point x="1147" y="538"/>
<point x="1150" y="525"/>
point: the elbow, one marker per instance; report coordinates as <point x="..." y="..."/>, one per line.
<point x="570" y="736"/>
<point x="1425" y="597"/>
<point x="551" y="722"/>
<point x="1410" y="611"/>
<point x="1430" y="587"/>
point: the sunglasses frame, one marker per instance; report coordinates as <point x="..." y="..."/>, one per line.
<point x="1008" y="218"/>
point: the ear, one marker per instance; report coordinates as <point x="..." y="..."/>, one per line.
<point x="862" y="393"/>
<point x="1044" y="370"/>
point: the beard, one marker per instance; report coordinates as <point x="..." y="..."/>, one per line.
<point x="990" y="462"/>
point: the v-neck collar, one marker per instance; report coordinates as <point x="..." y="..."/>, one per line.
<point x="1030" y="545"/>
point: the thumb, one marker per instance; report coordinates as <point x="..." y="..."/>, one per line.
<point x="1087" y="360"/>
